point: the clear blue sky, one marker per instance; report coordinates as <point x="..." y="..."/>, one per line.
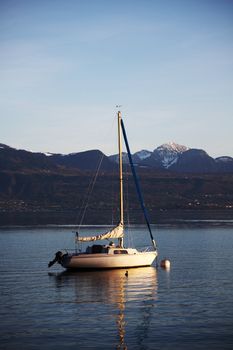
<point x="65" y="65"/>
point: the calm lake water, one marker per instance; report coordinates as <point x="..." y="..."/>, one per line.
<point x="188" y="307"/>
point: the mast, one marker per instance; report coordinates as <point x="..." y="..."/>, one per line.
<point x="120" y="240"/>
<point x="137" y="184"/>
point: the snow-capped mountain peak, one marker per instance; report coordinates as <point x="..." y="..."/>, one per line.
<point x="169" y="153"/>
<point x="172" y="147"/>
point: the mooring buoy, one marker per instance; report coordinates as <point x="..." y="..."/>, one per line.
<point x="165" y="264"/>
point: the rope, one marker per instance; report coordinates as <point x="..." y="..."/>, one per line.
<point x="89" y="191"/>
<point x="90" y="188"/>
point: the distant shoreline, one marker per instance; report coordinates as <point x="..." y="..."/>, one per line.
<point x="165" y="218"/>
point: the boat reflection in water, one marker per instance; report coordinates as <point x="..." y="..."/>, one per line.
<point x="112" y="307"/>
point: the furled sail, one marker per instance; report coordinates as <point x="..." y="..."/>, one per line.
<point x="116" y="232"/>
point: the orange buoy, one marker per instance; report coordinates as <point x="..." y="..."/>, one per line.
<point x="165" y="264"/>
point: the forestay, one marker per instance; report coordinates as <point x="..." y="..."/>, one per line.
<point x="116" y="232"/>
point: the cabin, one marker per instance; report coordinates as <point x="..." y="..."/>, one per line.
<point x="108" y="249"/>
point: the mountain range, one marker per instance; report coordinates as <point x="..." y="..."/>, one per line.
<point x="177" y="183"/>
<point x="169" y="157"/>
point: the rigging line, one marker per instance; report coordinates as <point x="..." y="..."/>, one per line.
<point x="85" y="201"/>
<point x="86" y="198"/>
<point x="91" y="189"/>
<point x="137" y="185"/>
<point x="91" y="185"/>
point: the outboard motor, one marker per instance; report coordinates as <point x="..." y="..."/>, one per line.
<point x="58" y="258"/>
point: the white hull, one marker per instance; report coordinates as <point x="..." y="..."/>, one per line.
<point x="108" y="261"/>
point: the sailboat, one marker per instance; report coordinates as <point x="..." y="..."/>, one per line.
<point x="112" y="255"/>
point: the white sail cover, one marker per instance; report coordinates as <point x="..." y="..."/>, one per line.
<point x="116" y="232"/>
